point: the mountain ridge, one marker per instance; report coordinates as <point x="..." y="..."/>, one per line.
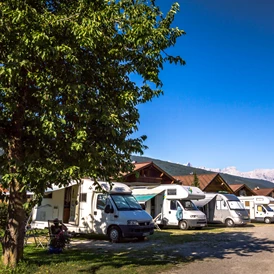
<point x="175" y="169"/>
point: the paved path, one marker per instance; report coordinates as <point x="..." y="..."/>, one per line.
<point x="251" y="251"/>
<point x="244" y="250"/>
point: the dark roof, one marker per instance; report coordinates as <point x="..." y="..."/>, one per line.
<point x="171" y="168"/>
<point x="179" y="169"/>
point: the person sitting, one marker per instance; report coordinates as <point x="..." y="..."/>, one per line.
<point x="60" y="236"/>
<point x="58" y="227"/>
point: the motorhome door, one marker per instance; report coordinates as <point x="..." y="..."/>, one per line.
<point x="100" y="218"/>
<point x="170" y="212"/>
<point x="221" y="210"/>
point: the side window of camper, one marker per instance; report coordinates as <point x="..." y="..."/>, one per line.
<point x="101" y="201"/>
<point x="223" y="205"/>
<point x="173" y="205"/>
<point x="260" y="209"/>
<point x="218" y="205"/>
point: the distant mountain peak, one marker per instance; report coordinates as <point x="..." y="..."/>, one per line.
<point x="264" y="174"/>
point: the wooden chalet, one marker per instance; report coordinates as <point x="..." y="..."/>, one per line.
<point x="264" y="191"/>
<point x="242" y="190"/>
<point x="147" y="174"/>
<point x="212" y="182"/>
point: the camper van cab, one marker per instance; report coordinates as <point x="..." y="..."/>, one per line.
<point x="223" y="209"/>
<point x="85" y="209"/>
<point x="171" y="205"/>
<point x="258" y="208"/>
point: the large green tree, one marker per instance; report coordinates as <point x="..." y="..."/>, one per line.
<point x="68" y="104"/>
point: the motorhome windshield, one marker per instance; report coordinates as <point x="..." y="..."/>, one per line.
<point x="125" y="202"/>
<point x="236" y="205"/>
<point x="268" y="208"/>
<point x="188" y="205"/>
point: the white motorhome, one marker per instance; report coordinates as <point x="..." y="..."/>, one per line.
<point x="85" y="209"/>
<point x="258" y="208"/>
<point x="164" y="201"/>
<point x="224" y="209"/>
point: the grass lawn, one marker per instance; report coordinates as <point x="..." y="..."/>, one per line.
<point x="115" y="261"/>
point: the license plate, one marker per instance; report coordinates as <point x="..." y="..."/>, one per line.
<point x="146" y="234"/>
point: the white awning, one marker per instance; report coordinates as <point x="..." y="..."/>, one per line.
<point x="144" y="195"/>
<point x="203" y="202"/>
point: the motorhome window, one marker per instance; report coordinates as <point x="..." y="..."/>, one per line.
<point x="188" y="205"/>
<point x="218" y="205"/>
<point x="83" y="197"/>
<point x="173" y="205"/>
<point x="171" y="192"/>
<point x="268" y="208"/>
<point x="48" y="195"/>
<point x="126" y="202"/>
<point x="235" y="205"/>
<point x="260" y="208"/>
<point x="101" y="201"/>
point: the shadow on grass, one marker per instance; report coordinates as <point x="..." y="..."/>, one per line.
<point x="163" y="248"/>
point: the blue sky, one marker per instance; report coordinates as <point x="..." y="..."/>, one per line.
<point x="218" y="109"/>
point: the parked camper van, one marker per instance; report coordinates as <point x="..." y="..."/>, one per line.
<point x="258" y="208"/>
<point x="223" y="208"/>
<point x="166" y="202"/>
<point x="84" y="209"/>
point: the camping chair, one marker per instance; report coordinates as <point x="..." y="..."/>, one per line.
<point x="33" y="233"/>
<point x="58" y="236"/>
<point x="158" y="217"/>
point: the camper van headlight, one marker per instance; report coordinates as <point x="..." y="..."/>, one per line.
<point x="239" y="214"/>
<point x="132" y="222"/>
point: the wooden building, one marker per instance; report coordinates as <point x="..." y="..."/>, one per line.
<point x="147" y="174"/>
<point x="206" y="182"/>
<point x="264" y="191"/>
<point x="242" y="190"/>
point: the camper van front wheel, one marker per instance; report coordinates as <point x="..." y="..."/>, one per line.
<point x="114" y="234"/>
<point x="183" y="225"/>
<point x="267" y="220"/>
<point x="229" y="223"/>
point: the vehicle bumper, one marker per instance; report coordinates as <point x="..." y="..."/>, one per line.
<point x="196" y="222"/>
<point x="241" y="221"/>
<point x="135" y="231"/>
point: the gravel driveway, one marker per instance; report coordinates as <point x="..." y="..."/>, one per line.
<point x="241" y="250"/>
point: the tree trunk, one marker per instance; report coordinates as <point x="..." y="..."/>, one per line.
<point x="13" y="241"/>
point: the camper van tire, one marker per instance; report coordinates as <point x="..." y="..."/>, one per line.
<point x="267" y="220"/>
<point x="183" y="225"/>
<point x="229" y="223"/>
<point x="114" y="234"/>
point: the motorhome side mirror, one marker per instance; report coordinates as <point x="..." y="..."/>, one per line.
<point x="109" y="209"/>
